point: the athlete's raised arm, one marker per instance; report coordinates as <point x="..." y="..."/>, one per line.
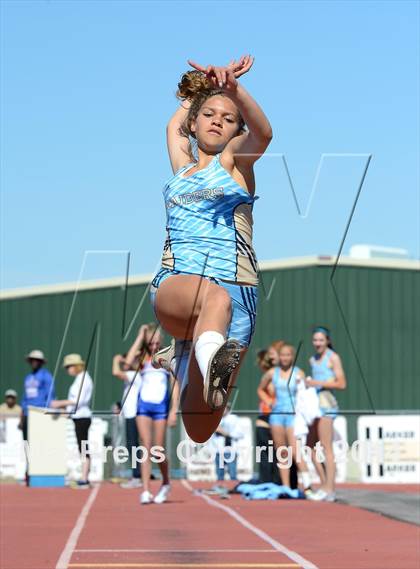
<point x="178" y="145"/>
<point x="250" y="145"/>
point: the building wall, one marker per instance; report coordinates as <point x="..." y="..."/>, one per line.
<point x="373" y="314"/>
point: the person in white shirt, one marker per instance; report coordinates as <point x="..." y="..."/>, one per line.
<point x="78" y="406"/>
<point x="157" y="406"/>
<point x="132" y="382"/>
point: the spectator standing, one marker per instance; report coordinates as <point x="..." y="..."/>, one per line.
<point x="327" y="375"/>
<point x="38" y="389"/>
<point x="132" y="383"/>
<point x="78" y="406"/>
<point x="156" y="408"/>
<point x="267" y="469"/>
<point x="284" y="377"/>
<point x="225" y="440"/>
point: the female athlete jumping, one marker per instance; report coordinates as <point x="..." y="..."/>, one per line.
<point x="205" y="293"/>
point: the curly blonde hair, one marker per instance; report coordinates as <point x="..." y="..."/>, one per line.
<point x="196" y="88"/>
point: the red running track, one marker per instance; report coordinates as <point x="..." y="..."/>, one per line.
<point x="106" y="528"/>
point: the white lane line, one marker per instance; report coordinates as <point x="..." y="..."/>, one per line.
<point x="174" y="551"/>
<point x="260" y="533"/>
<point x="70" y="546"/>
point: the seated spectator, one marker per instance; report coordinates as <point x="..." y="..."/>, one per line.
<point x="10" y="408"/>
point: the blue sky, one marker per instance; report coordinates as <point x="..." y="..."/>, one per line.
<point x="87" y="89"/>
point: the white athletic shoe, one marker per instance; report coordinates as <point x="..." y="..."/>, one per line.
<point x="163" y="494"/>
<point x="331" y="497"/>
<point x="222" y="363"/>
<point x="164" y="357"/>
<point x="322" y="496"/>
<point x="146" y="497"/>
<point x="132" y="483"/>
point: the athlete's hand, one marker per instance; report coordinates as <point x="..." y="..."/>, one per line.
<point x="142" y="330"/>
<point x="219" y="77"/>
<point x="242" y="66"/>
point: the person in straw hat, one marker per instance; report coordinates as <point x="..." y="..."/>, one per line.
<point x="78" y="406"/>
<point x="38" y="389"/>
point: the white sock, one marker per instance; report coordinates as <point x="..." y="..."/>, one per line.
<point x="306" y="479"/>
<point x="205" y="346"/>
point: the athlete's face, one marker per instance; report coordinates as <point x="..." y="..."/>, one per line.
<point x="273" y="356"/>
<point x="154" y="341"/>
<point x="319" y="342"/>
<point x="217" y="122"/>
<point x="286" y="357"/>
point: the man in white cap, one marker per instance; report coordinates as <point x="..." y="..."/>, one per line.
<point x="10" y="408"/>
<point x="38" y="387"/>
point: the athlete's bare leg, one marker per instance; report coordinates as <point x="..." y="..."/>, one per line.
<point x="279" y="435"/>
<point x="160" y="440"/>
<point x="312" y="440"/>
<point x="199" y="419"/>
<point x="325" y="430"/>
<point x="145" y="428"/>
<point x="186" y="306"/>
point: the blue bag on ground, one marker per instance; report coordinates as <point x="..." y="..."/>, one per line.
<point x="267" y="491"/>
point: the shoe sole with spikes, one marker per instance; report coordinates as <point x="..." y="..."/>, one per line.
<point x="221" y="366"/>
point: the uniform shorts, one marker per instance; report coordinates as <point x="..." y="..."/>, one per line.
<point x="279" y="419"/>
<point x="244" y="305"/>
<point x="156" y="411"/>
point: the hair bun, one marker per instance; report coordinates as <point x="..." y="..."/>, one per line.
<point x="192" y="82"/>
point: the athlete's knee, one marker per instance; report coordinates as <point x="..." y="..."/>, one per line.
<point x="220" y="297"/>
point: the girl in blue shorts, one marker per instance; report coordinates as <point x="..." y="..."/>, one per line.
<point x="284" y="378"/>
<point x="156" y="410"/>
<point x="205" y="293"/>
<point x="327" y="375"/>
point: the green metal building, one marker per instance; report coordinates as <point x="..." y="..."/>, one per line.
<point x="371" y="307"/>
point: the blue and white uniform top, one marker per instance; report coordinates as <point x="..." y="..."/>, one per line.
<point x="320" y="368"/>
<point x="155" y="385"/>
<point x="209" y="225"/>
<point x="322" y="372"/>
<point x="285" y="390"/>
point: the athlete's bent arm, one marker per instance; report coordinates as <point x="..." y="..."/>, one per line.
<point x="263" y="388"/>
<point x="250" y="146"/>
<point x="116" y="369"/>
<point x="178" y="144"/>
<point x="138" y="344"/>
